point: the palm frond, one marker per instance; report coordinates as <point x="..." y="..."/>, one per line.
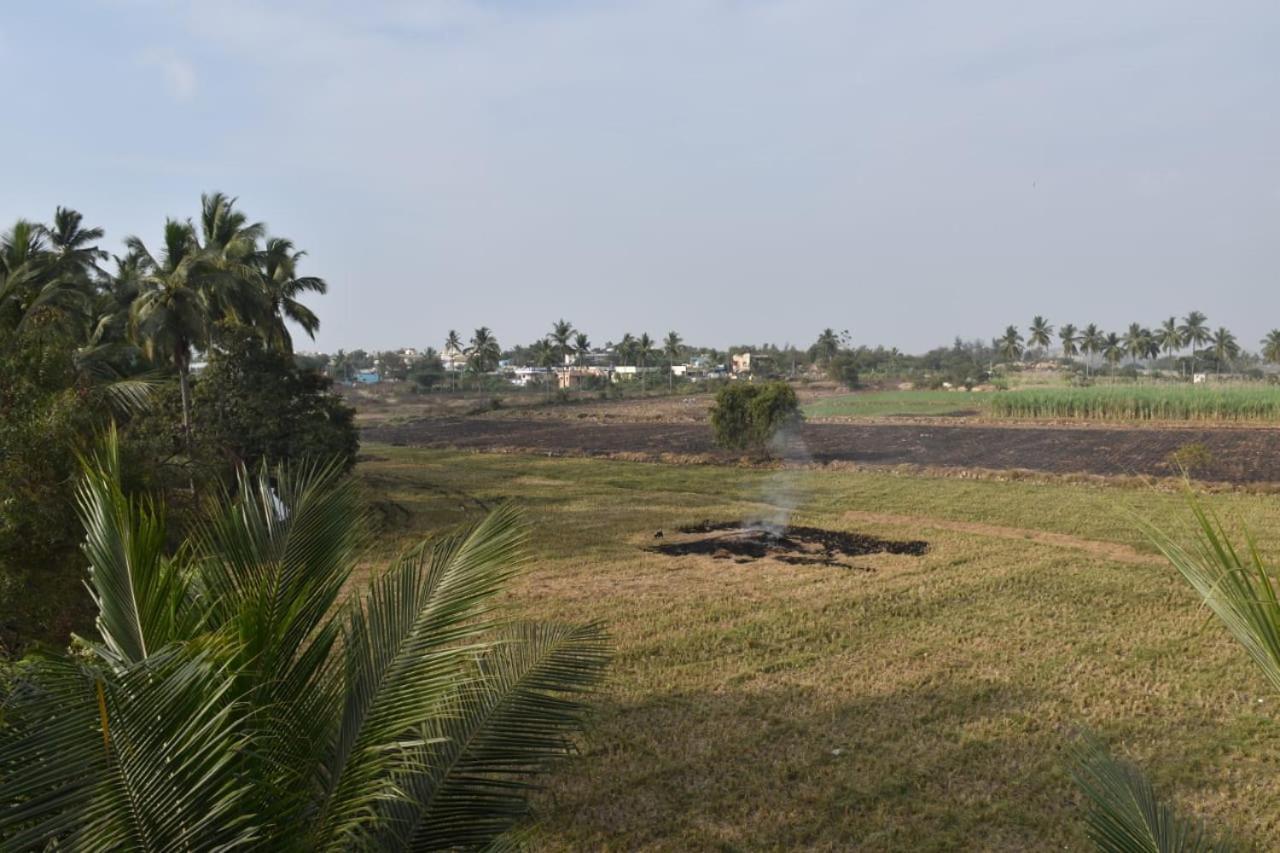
<point x="142" y="594"/>
<point x="470" y="783"/>
<point x="1234" y="585"/>
<point x="408" y="645"/>
<point x="1125" y="815"/>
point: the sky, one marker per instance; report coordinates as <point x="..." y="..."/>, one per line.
<point x="735" y="170"/>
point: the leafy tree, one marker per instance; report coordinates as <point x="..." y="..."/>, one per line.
<point x="561" y="337"/>
<point x="827" y="345"/>
<point x="1113" y="350"/>
<point x="582" y="346"/>
<point x="748" y="416"/>
<point x="1170" y="337"/>
<point x="1092" y="340"/>
<point x="236" y="695"/>
<point x="1195" y="333"/>
<point x="283" y="287"/>
<point x="643" y="350"/>
<point x="1271" y="346"/>
<point x="1010" y="345"/>
<point x="484" y="353"/>
<point x="428" y="371"/>
<point x="1070" y="338"/>
<point x="673" y="348"/>
<point x="1134" y="342"/>
<point x="1225" y="347"/>
<point x="1041" y="333"/>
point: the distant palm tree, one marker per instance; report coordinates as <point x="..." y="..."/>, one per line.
<point x="1170" y="336"/>
<point x="1113" y="351"/>
<point x="582" y="346"/>
<point x="1225" y="347"/>
<point x="1091" y="342"/>
<point x="1195" y="333"/>
<point x="1041" y="333"/>
<point x="828" y="345"/>
<point x="545" y="355"/>
<point x="673" y="347"/>
<point x="1070" y="338"/>
<point x="72" y="246"/>
<point x="484" y="353"/>
<point x="1010" y="345"/>
<point x="1134" y="344"/>
<point x="1271" y="346"/>
<point x="626" y="348"/>
<point x="453" y="349"/>
<point x="644" y="349"/>
<point x="283" y="286"/>
<point x="561" y="335"/>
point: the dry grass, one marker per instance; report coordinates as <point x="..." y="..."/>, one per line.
<point x="921" y="706"/>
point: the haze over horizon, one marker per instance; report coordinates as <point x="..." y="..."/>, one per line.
<point x="736" y="170"/>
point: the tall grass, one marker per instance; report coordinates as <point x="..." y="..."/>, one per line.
<point x="1136" y="403"/>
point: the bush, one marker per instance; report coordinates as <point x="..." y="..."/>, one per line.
<point x="843" y="368"/>
<point x="748" y="416"/>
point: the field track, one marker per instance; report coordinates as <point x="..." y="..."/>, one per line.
<point x="1236" y="455"/>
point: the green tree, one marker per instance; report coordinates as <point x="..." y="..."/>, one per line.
<point x="748" y="416"/>
<point x="453" y="348"/>
<point x="484" y="353"/>
<point x="1113" y="349"/>
<point x="283" y="287"/>
<point x="1225" y="347"/>
<point x="582" y="346"/>
<point x="1041" y="333"/>
<point x="562" y="337"/>
<point x="1070" y="338"/>
<point x="643" y="352"/>
<point x="1271" y="346"/>
<point x="1010" y="345"/>
<point x="238" y="695"/>
<point x="827" y="345"/>
<point x="1134" y="342"/>
<point x="673" y="348"/>
<point x="1092" y="341"/>
<point x="1195" y="333"/>
<point x="1170" y="336"/>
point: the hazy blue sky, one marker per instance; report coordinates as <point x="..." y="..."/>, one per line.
<point x="738" y="170"/>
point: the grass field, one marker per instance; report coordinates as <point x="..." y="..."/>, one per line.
<point x="880" y="404"/>
<point x="923" y="705"/>
<point x="1143" y="403"/>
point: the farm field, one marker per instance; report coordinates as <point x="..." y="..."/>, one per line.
<point x="910" y="702"/>
<point x="1254" y="404"/>
<point x="880" y="404"/>
<point x="1229" y="455"/>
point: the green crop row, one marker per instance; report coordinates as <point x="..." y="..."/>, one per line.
<point x="1157" y="403"/>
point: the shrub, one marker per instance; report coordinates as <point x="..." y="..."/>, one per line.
<point x="748" y="416"/>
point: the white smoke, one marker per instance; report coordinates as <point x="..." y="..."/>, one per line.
<point x="784" y="488"/>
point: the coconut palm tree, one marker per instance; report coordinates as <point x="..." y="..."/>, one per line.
<point x="239" y="695"/>
<point x="1041" y="333"/>
<point x="643" y="350"/>
<point x="561" y="335"/>
<point x="1225" y="347"/>
<point x="1195" y="333"/>
<point x="1010" y="346"/>
<point x="484" y="353"/>
<point x="1113" y="349"/>
<point x="626" y="348"/>
<point x="582" y="346"/>
<point x="545" y="354"/>
<point x="1091" y="342"/>
<point x="1271" y="346"/>
<point x="1134" y="343"/>
<point x="1070" y="338"/>
<point x="453" y="348"/>
<point x="1170" y="336"/>
<point x="283" y="286"/>
<point x="229" y="244"/>
<point x="673" y="348"/>
<point x="172" y="315"/>
<point x="827" y="345"/>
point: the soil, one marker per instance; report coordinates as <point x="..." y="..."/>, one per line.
<point x="801" y="546"/>
<point x="1233" y="455"/>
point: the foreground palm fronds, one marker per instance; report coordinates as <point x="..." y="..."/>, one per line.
<point x="1236" y="587"/>
<point x="234" y="697"/>
<point x="1136" y="403"/>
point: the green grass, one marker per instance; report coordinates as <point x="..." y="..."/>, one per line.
<point x="922" y="706"/>
<point x="1143" y="403"/>
<point x="879" y="404"/>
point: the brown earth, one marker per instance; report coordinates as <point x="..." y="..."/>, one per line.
<point x="1242" y="456"/>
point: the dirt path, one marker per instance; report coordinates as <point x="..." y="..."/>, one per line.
<point x="1234" y="455"/>
<point x="1113" y="551"/>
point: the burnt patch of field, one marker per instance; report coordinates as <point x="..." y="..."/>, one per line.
<point x="796" y="545"/>
<point x="1229" y="455"/>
